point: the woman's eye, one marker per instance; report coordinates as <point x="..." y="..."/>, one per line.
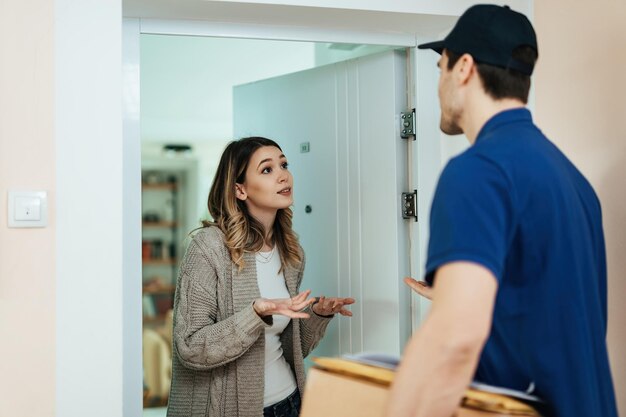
<point x="266" y="170"/>
<point x="285" y="165"/>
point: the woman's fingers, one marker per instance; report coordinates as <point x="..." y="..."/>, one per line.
<point x="301" y="305"/>
<point x="300" y="301"/>
<point x="291" y="310"/>
<point x="345" y="312"/>
<point x="295" y="314"/>
<point x="333" y="305"/>
<point x="302" y="296"/>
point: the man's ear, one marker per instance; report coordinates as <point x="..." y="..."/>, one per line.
<point x="466" y="68"/>
<point x="240" y="192"/>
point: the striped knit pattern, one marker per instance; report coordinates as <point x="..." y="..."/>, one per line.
<point x="218" y="341"/>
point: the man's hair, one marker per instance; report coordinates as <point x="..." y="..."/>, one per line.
<point x="499" y="82"/>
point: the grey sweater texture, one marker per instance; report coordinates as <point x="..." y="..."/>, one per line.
<point x="218" y="361"/>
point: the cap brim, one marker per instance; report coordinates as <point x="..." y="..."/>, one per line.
<point x="437" y="46"/>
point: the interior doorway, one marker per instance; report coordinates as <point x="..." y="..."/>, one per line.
<point x="187" y="104"/>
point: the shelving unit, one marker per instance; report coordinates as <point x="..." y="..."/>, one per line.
<point x="160" y="242"/>
<point x="169" y="195"/>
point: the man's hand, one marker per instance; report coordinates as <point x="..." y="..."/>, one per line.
<point x="441" y="357"/>
<point x="289" y="307"/>
<point x="420" y="287"/>
<point x="332" y="305"/>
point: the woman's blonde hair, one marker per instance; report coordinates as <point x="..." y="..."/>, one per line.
<point x="243" y="232"/>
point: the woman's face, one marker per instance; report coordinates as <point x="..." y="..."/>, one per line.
<point x="268" y="183"/>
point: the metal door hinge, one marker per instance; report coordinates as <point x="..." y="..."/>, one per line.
<point x="408" y="203"/>
<point x="407" y="124"/>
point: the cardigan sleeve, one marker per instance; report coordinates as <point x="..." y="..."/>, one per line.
<point x="311" y="331"/>
<point x="200" y="341"/>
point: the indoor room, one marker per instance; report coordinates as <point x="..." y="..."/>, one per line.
<point x="113" y="114"/>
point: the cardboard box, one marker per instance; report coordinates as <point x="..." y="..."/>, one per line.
<point x="331" y="394"/>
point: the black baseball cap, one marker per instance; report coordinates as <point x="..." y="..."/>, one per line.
<point x="490" y="33"/>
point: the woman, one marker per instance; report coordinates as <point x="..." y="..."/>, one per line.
<point x="241" y="329"/>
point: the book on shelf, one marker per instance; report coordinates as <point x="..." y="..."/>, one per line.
<point x="148" y="308"/>
<point x="163" y="303"/>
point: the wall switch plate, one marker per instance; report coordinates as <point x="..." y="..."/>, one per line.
<point x="28" y="209"/>
<point x="305" y="147"/>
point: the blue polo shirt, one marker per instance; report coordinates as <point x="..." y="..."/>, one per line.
<point x="516" y="205"/>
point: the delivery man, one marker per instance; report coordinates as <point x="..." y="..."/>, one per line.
<point x="516" y="259"/>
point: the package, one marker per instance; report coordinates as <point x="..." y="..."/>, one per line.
<point x="340" y="388"/>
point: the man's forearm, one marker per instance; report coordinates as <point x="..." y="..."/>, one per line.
<point x="435" y="371"/>
<point x="441" y="358"/>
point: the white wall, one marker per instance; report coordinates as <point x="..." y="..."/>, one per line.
<point x="131" y="287"/>
<point x="186" y="82"/>
<point x="329" y="53"/>
<point x="89" y="188"/>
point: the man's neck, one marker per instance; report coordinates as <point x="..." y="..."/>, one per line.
<point x="481" y="109"/>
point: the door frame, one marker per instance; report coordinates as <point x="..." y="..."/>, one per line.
<point x="133" y="28"/>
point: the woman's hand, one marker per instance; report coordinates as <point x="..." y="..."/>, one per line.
<point x="332" y="305"/>
<point x="420" y="287"/>
<point x="289" y="307"/>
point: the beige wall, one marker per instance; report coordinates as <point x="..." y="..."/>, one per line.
<point x="27" y="256"/>
<point x="580" y="88"/>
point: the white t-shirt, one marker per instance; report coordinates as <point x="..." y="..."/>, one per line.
<point x="279" y="378"/>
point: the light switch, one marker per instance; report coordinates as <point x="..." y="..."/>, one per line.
<point x="28" y="209"/>
<point x="305" y="147"/>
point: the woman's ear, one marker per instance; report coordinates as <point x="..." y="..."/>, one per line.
<point x="240" y="192"/>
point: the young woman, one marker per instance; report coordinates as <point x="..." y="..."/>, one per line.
<point x="241" y="326"/>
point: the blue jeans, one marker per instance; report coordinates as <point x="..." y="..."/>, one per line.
<point x="289" y="407"/>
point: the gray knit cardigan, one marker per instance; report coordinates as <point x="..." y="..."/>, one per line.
<point x="218" y="362"/>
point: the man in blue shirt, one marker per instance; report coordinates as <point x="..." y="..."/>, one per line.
<point x="516" y="260"/>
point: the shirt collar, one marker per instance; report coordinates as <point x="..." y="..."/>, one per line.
<point x="521" y="114"/>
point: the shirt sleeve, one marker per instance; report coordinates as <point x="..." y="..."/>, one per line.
<point x="471" y="216"/>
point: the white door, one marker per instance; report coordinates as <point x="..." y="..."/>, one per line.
<point x="347" y="187"/>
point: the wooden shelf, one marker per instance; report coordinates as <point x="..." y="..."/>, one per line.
<point x="165" y="186"/>
<point x="160" y="318"/>
<point x="170" y="289"/>
<point x="159" y="262"/>
<point x="159" y="224"/>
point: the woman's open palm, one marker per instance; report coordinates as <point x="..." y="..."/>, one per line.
<point x="289" y="307"/>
